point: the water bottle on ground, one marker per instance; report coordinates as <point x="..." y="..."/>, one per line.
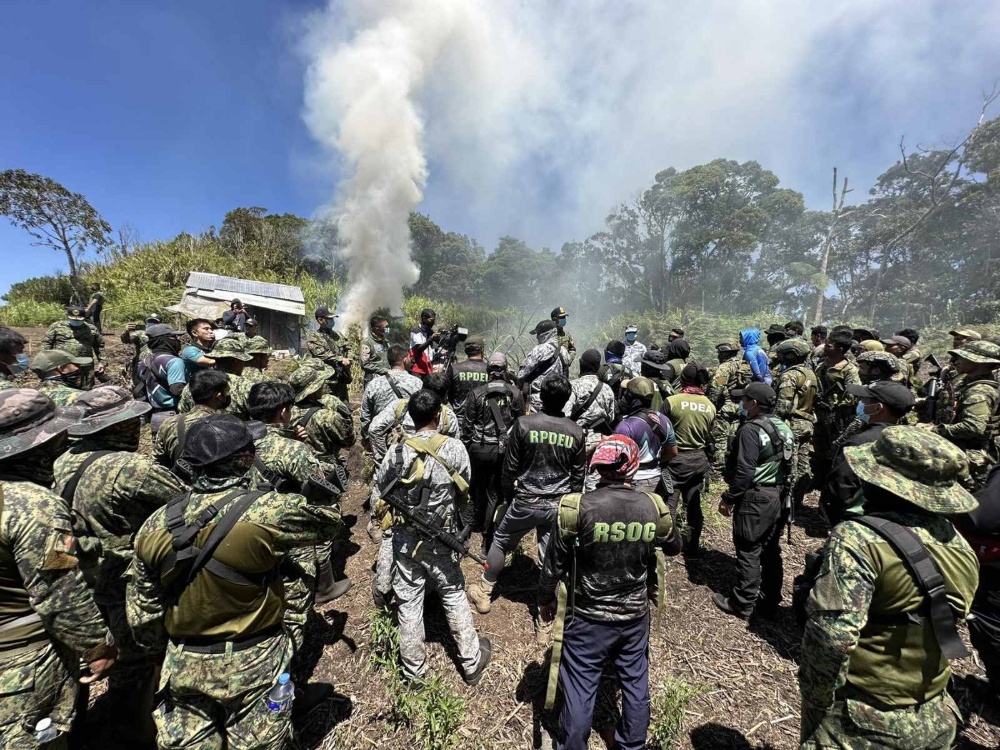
<point x="280" y="698"/>
<point x="44" y="731"/>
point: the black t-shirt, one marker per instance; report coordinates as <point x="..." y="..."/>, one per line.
<point x="462" y="378"/>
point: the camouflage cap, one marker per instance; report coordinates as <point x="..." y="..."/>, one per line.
<point x="641" y="387"/>
<point x="257" y="345"/>
<point x="102" y="407"/>
<point x="215" y="438"/>
<point x="798" y="347"/>
<point x="917" y="465"/>
<point x="981" y="352"/>
<point x="28" y="419"/>
<point x="308" y="379"/>
<point x="231" y="348"/>
<point x="966" y="333"/>
<point x="882" y="357"/>
<point x="50" y="359"/>
<point x="726" y="348"/>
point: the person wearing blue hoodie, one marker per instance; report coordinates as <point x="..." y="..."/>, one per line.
<point x="754" y="355"/>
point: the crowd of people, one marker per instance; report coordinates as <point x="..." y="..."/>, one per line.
<point x="185" y="574"/>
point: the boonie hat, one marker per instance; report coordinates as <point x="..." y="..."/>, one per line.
<point x="50" y="359"/>
<point x="655" y="359"/>
<point x="889" y="360"/>
<point x="726" y="348"/>
<point x="256" y="345"/>
<point x="916" y="465"/>
<point x="966" y="333"/>
<point x="102" y="407"/>
<point x="308" y="379"/>
<point x="215" y="438"/>
<point x="231" y="348"/>
<point x="981" y="352"/>
<point x="28" y="419"/>
<point x="762" y="393"/>
<point x="894" y="395"/>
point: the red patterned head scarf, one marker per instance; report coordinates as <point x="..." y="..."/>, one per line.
<point x="616" y="457"/>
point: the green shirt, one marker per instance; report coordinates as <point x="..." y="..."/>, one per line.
<point x="692" y="415"/>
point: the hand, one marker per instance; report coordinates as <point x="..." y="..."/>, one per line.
<point x="725" y="508"/>
<point x="547" y="612"/>
<point x="99" y="668"/>
<point x="300" y="434"/>
<point x="99" y="367"/>
<point x="130" y="327"/>
<point x="436" y="337"/>
<point x="345" y="362"/>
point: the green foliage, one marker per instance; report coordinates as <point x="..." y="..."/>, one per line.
<point x="667" y="705"/>
<point x="56" y="289"/>
<point x="27" y="313"/>
<point x="431" y="708"/>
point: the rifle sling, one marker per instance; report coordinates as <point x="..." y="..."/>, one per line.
<point x="69" y="491"/>
<point x="581" y="409"/>
<point x="928" y="578"/>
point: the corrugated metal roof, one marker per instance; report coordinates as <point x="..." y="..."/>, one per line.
<point x="236" y="287"/>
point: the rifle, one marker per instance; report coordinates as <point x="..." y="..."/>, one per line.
<point x="343" y="372"/>
<point x="427" y="524"/>
<point x="940" y="381"/>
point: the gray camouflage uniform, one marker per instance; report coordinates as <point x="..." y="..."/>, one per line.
<point x="604" y="409"/>
<point x="544" y="360"/>
<point x="379" y="394"/>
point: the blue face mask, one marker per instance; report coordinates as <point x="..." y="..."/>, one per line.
<point x="630" y="337"/>
<point x="743" y="410"/>
<point x="385" y="332"/>
<point x="562" y="321"/>
<point x="860" y="413"/>
<point x="20" y="365"/>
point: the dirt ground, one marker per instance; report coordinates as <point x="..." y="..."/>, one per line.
<point x="746" y="673"/>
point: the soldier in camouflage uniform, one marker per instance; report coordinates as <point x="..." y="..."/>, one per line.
<point x="332" y="349"/>
<point x="871" y="671"/>
<point x="733" y="373"/>
<point x="112" y="489"/>
<point x="374" y="350"/>
<point x="977" y="409"/>
<point x="419" y="561"/>
<point x="230" y="357"/>
<point x="563" y="339"/>
<point x="209" y="391"/>
<point x="912" y="357"/>
<point x="654" y="366"/>
<point x="80" y="339"/>
<point x="60" y="375"/>
<point x="796" y="389"/>
<point x="597" y="416"/>
<point x="548" y="357"/>
<point x="13" y="360"/>
<point x="834" y="405"/>
<point x="221" y="624"/>
<point x="385" y="388"/>
<point x="260" y="353"/>
<point x="872" y="367"/>
<point x="139" y="341"/>
<point x="326" y="419"/>
<point x="395" y="418"/>
<point x="48" y="619"/>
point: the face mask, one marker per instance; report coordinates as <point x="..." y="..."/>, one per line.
<point x="860" y="413"/>
<point x="630" y="337"/>
<point x="72" y="379"/>
<point x="562" y="321"/>
<point x="20" y="365"/>
<point x="743" y="411"/>
<point x="75" y="323"/>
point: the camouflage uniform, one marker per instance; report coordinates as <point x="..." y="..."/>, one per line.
<point x="374" y="358"/>
<point x="730" y="375"/>
<point x="60" y="393"/>
<point x="49" y="617"/>
<point x="325" y="345"/>
<point x="330" y="429"/>
<point x="975" y="424"/>
<point x="796" y="389"/>
<point x="211" y="700"/>
<point x="379" y="394"/>
<point x="547" y="358"/>
<point x="253" y="346"/>
<point x="80" y="341"/>
<point x="395" y="415"/>
<point x="834" y="410"/>
<point x="6" y="381"/>
<point x="419" y="561"/>
<point x="239" y="392"/>
<point x="868" y="681"/>
<point x="139" y="341"/>
<point x="603" y="412"/>
<point x="165" y="448"/>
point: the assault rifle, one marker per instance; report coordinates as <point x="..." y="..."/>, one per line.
<point x="940" y="382"/>
<point x="343" y="371"/>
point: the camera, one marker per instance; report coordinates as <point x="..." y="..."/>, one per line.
<point x="449" y="341"/>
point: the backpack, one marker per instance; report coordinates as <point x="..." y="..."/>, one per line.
<point x="417" y="474"/>
<point x="150" y="381"/>
<point x="926" y="575"/>
<point x="496" y="390"/>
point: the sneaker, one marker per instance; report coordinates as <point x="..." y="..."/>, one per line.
<point x="722" y="602"/>
<point x="485" y="654"/>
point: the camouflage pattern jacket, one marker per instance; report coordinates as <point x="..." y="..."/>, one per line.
<point x="287" y="459"/>
<point x="374" y="356"/>
<point x="113" y="498"/>
<point x="325" y="345"/>
<point x="239" y="392"/>
<point x="166" y="451"/>
<point x="731" y="374"/>
<point x="834" y="405"/>
<point x="40" y="574"/>
<point x="384" y="390"/>
<point x="140" y="341"/>
<point x="863" y="579"/>
<point x="633" y="357"/>
<point x="604" y="409"/>
<point x="976" y="410"/>
<point x="395" y="415"/>
<point x="328" y="424"/>
<point x="6" y="381"/>
<point x="60" y="393"/>
<point x="80" y="341"/>
<point x="543" y="360"/>
<point x="796" y="388"/>
<point x="212" y="607"/>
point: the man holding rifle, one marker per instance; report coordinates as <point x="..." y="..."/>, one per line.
<point x="425" y="483"/>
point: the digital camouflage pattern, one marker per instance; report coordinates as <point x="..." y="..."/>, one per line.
<point x="60" y="393"/>
<point x="393" y="423"/>
<point x="546" y="358"/>
<point x="603" y="410"/>
<point x="330" y="428"/>
<point x="797" y="387"/>
<point x="976" y="424"/>
<point x="37" y="550"/>
<point x="239" y="391"/>
<point x="834" y="405"/>
<point x="165" y="449"/>
<point x="81" y="341"/>
<point x="730" y="375"/>
<point x="379" y="394"/>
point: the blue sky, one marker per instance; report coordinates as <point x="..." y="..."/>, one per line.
<point x="167" y="115"/>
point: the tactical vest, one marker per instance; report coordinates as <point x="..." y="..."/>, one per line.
<point x="773" y="459"/>
<point x="806" y="387"/>
<point x="403" y="483"/>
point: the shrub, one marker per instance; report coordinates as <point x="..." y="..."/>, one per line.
<point x="56" y="289"/>
<point x="27" y="313"/>
<point x="668" y="704"/>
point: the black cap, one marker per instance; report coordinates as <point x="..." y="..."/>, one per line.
<point x="543" y="326"/>
<point x="215" y="438"/>
<point x="591" y="359"/>
<point x="894" y="395"/>
<point x="762" y="393"/>
<point x="726" y="348"/>
<point x="162" y="329"/>
<point x="655" y="359"/>
<point x="252" y="322"/>
<point x="323" y="312"/>
<point x="559" y="312"/>
<point x="864" y="334"/>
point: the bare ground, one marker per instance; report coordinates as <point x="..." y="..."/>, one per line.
<point x="749" y="695"/>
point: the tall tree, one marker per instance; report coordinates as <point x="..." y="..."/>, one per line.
<point x="53" y="216"/>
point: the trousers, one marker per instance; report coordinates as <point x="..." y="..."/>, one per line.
<point x="688" y="470"/>
<point x="757" y="525"/>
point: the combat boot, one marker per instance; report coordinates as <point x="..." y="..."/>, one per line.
<point x="327" y="589"/>
<point x="543" y="632"/>
<point x="480" y="594"/>
<point x="485" y="654"/>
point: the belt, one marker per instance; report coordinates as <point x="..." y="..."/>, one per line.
<point x="209" y="646"/>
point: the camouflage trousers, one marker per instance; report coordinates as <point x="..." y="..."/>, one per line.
<point x="801" y="468"/>
<point x="300" y="593"/>
<point x="723" y="428"/>
<point x="384" y="564"/>
<point x="215" y="701"/>
<point x="438" y="566"/>
<point x="854" y="725"/>
<point x="35" y="684"/>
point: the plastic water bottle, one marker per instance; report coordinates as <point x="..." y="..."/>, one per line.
<point x="44" y="731"/>
<point x="280" y="698"/>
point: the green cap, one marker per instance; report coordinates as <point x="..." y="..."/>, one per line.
<point x="308" y="379"/>
<point x="230" y="347"/>
<point x="28" y="419"/>
<point x="797" y="347"/>
<point x="917" y="465"/>
<point x="257" y="345"/>
<point x="50" y="359"/>
<point x="475" y="341"/>
<point x="644" y="388"/>
<point x="982" y="352"/>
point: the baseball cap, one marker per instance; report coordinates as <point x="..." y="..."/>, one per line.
<point x="655" y="359"/>
<point x="559" y="312"/>
<point x="475" y="342"/>
<point x="543" y="326"/>
<point x="252" y="322"/>
<point x="864" y="334"/>
<point x="616" y="456"/>
<point x="762" y="393"/>
<point x="153" y="318"/>
<point x="897" y="341"/>
<point x="631" y="329"/>
<point x="871" y="345"/>
<point x="323" y="312"/>
<point x="50" y="359"/>
<point x="162" y="329"/>
<point x="894" y="395"/>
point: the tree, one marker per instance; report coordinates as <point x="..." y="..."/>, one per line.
<point x="53" y="216"/>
